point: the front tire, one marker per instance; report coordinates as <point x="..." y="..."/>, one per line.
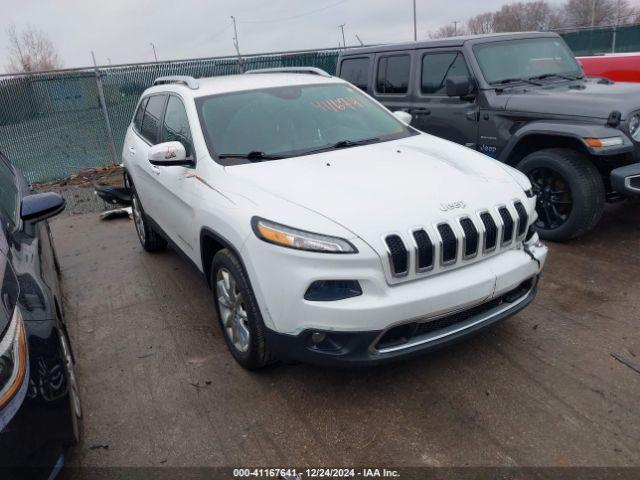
<point x="150" y="240"/>
<point x="570" y="192"/>
<point x="238" y="312"/>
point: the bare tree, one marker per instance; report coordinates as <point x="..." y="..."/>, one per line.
<point x="584" y="13"/>
<point x="31" y="51"/>
<point x="481" y="23"/>
<point x="448" y="30"/>
<point x="525" y="16"/>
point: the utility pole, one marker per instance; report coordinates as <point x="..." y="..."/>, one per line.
<point x="154" y="51"/>
<point x="361" y="42"/>
<point x="236" y="44"/>
<point x="341" y="27"/>
<point x="415" y="24"/>
<point x="455" y="26"/>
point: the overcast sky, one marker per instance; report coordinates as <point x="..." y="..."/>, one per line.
<point x="122" y="29"/>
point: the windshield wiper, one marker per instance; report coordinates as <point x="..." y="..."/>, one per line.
<point x="516" y="80"/>
<point x="252" y="156"/>
<point x="343" y="144"/>
<point x="558" y="75"/>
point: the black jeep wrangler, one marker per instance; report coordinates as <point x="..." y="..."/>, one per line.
<point x="522" y="99"/>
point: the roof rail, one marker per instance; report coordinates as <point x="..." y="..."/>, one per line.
<point x="310" y="70"/>
<point x="179" y="79"/>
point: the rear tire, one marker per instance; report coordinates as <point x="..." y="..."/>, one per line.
<point x="238" y="313"/>
<point x="150" y="240"/>
<point x="570" y="192"/>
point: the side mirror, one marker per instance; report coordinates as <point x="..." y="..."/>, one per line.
<point x="40" y="206"/>
<point x="459" y="86"/>
<point x="404" y="117"/>
<point x="169" y="154"/>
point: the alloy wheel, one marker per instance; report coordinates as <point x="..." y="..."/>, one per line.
<point x="232" y="311"/>
<point x="554" y="201"/>
<point x="137" y="217"/>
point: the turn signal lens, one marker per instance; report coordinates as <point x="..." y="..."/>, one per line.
<point x="604" y="142"/>
<point x="13" y="353"/>
<point x="299" y="239"/>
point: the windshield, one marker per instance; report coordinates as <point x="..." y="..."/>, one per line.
<point x="526" y="59"/>
<point x="293" y="120"/>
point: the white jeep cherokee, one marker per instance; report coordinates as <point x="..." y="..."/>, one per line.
<point x="329" y="230"/>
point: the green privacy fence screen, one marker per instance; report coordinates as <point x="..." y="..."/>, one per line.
<point x="53" y="124"/>
<point x="603" y="40"/>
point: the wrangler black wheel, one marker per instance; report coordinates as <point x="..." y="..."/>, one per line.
<point x="570" y="192"/>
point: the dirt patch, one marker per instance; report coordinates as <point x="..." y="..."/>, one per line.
<point x="109" y="175"/>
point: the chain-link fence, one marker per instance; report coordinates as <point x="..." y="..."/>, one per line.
<point x="597" y="41"/>
<point x="53" y="124"/>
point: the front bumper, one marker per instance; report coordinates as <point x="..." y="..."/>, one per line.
<point x="626" y="179"/>
<point x="367" y="348"/>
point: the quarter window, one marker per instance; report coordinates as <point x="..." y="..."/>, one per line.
<point x="437" y="67"/>
<point x="176" y="124"/>
<point x="8" y="193"/>
<point x="356" y="71"/>
<point x="393" y="74"/>
<point x="151" y="118"/>
<point x="137" y="120"/>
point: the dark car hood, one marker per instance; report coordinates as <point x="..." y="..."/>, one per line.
<point x="591" y="99"/>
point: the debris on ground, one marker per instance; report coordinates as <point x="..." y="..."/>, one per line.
<point x="117" y="213"/>
<point x="108" y="175"/>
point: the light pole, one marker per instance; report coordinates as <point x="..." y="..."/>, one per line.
<point x="341" y="27"/>
<point x="455" y="26"/>
<point x="415" y="25"/>
<point x="154" y="51"/>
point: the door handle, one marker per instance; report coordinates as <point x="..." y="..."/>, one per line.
<point x="132" y="151"/>
<point x="420" y="111"/>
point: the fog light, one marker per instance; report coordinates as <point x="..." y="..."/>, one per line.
<point x="318" y="337"/>
<point x="332" y="290"/>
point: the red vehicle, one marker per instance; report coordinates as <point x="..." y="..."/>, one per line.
<point x="620" y="67"/>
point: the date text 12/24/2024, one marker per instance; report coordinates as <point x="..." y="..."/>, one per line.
<point x="294" y="474"/>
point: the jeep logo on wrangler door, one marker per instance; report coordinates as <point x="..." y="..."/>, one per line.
<point x="445" y="207"/>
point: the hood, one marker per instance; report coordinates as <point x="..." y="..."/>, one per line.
<point x="391" y="186"/>
<point x="596" y="100"/>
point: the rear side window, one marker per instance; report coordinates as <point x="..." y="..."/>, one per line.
<point x="137" y="120"/>
<point x="8" y="193"/>
<point x="356" y="71"/>
<point x="176" y="124"/>
<point x="151" y="118"/>
<point x="437" y="67"/>
<point x="393" y="74"/>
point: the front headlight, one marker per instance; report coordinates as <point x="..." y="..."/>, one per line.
<point x="299" y="239"/>
<point x="634" y="127"/>
<point x="13" y="358"/>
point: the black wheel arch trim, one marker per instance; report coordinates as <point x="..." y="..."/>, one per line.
<point x="573" y="131"/>
<point x="220" y="239"/>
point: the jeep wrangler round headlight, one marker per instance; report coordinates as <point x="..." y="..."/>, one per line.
<point x="634" y="127"/>
<point x="299" y="239"/>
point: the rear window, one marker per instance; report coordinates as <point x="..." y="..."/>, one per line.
<point x="356" y="71"/>
<point x="393" y="74"/>
<point x="151" y="118"/>
<point x="137" y="120"/>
